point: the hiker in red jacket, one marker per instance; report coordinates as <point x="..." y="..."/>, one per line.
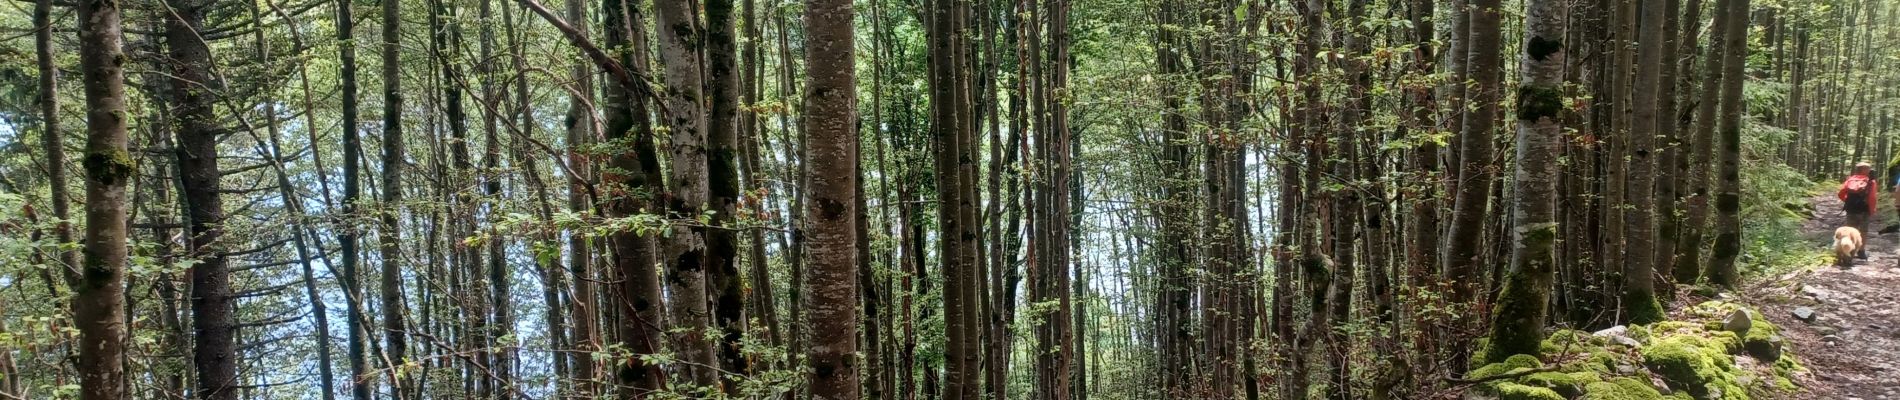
<point x="1859" y="198"/>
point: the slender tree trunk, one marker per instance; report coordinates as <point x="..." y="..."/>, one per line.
<point x="1728" y="223"/>
<point x="1639" y="268"/>
<point x="1670" y="147"/>
<point x="320" y="312"/>
<point x="1422" y="227"/>
<point x="1056" y="357"/>
<point x="583" y="129"/>
<point x="1474" y="147"/>
<point x="395" y="328"/>
<point x="948" y="87"/>
<point x="1173" y="285"/>
<point x="51" y="140"/>
<point x="1689" y="264"/>
<point x="722" y="271"/>
<point x="361" y="385"/>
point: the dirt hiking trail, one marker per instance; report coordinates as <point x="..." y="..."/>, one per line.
<point x="1843" y="323"/>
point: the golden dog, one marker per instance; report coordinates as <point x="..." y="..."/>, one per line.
<point x="1847" y="244"/>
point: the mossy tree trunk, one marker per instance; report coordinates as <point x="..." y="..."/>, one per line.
<point x="99" y="291"/>
<point x="1517" y="325"/>
<point x="722" y="153"/>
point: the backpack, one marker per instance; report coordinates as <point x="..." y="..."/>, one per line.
<point x="1857" y="188"/>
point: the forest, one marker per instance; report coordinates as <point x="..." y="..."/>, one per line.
<point x="938" y="199"/>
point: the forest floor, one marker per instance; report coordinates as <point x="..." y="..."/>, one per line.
<point x="1850" y="337"/>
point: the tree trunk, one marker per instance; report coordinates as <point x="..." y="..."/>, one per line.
<point x="686" y="253"/>
<point x="214" y="352"/>
<point x="831" y="140"/>
<point x="361" y="386"/>
<point x="583" y="128"/>
<point x="319" y="312"/>
<point x="1474" y="154"/>
<point x="1668" y="221"/>
<point x="1639" y="268"/>
<point x="1688" y="266"/>
<point x="1728" y="223"/>
<point x="1173" y="285"/>
<point x="722" y="271"/>
<point x="1517" y="327"/>
<point x="632" y="174"/>
<point x="395" y="329"/>
<point x="948" y="88"/>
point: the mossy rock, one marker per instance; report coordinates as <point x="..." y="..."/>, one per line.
<point x="1620" y="389"/>
<point x="1696" y="365"/>
<point x="1765" y="348"/>
<point x="1515" y="363"/>
<point x="1515" y="391"/>
<point x="1568" y="384"/>
<point x="1729" y="343"/>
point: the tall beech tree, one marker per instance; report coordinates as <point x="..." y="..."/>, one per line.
<point x="831" y="235"/>
<point x="1640" y="219"/>
<point x="1727" y="196"/>
<point x="99" y="283"/>
<point x="1517" y="326"/>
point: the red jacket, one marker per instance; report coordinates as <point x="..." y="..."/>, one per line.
<point x="1873" y="190"/>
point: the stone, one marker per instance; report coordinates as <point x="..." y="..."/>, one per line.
<point x="1738" y="322"/>
<point x="1618" y="334"/>
<point x="1618" y="330"/>
<point x="1766" y="349"/>
<point x="1816" y="293"/>
<point x="1825" y="330"/>
<point x="1805" y="314"/>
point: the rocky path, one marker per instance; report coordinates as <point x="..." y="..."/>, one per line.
<point x="1843" y="323"/>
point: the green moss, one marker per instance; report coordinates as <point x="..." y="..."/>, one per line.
<point x="1620" y="389"/>
<point x="1682" y="363"/>
<point x="1535" y="102"/>
<point x="109" y="166"/>
<point x="1513" y="364"/>
<point x="1519" y="326"/>
<point x="1568" y="384"/>
<point x="1643" y="308"/>
<point x="1695" y="364"/>
<point x="1513" y="391"/>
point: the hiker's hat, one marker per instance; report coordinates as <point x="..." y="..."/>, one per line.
<point x="1863" y="164"/>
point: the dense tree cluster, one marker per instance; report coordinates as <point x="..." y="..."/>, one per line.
<point x="878" y="199"/>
